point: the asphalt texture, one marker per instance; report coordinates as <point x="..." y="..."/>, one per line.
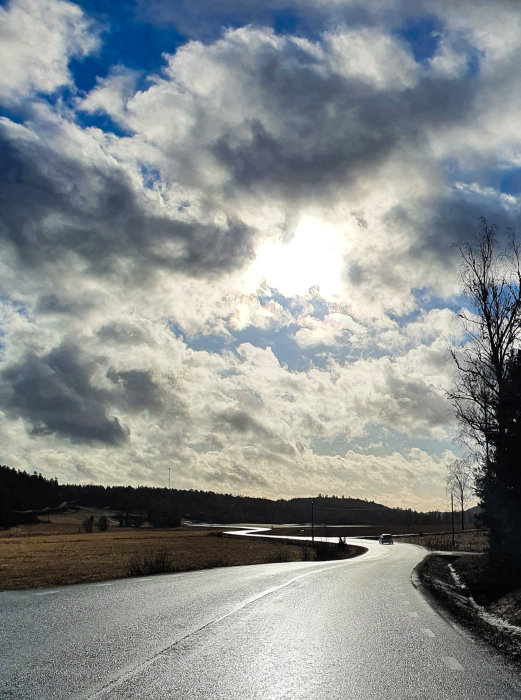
<point x="356" y="629"/>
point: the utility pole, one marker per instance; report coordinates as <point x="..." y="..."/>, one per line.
<point x="169" y="477"/>
<point x="312" y="524"/>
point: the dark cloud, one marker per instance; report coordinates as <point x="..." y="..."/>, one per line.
<point x="236" y="476"/>
<point x="138" y="391"/>
<point x="241" y="421"/>
<point x="122" y="334"/>
<point x="412" y="399"/>
<point x="54" y="394"/>
<point x="205" y="20"/>
<point x="336" y="129"/>
<point x="435" y="227"/>
<point x="57" y="304"/>
<point x="52" y="205"/>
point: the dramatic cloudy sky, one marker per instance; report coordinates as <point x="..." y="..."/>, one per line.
<point x="228" y="235"/>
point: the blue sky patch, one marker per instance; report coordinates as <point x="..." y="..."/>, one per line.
<point x="207" y="343"/>
<point x="101" y="121"/>
<point x="422" y="35"/>
<point x="125" y="41"/>
<point x="285" y="349"/>
<point x="510" y="182"/>
<point x="285" y="21"/>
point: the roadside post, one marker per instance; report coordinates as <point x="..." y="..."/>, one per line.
<point x="452" y="519"/>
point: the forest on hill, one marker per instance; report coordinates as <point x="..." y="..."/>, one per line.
<point x="24" y="496"/>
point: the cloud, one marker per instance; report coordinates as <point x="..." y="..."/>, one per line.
<point x="37" y="40"/>
<point x="139" y="392"/>
<point x="112" y="92"/>
<point x="257" y="123"/>
<point x="137" y="333"/>
<point x="55" y="394"/>
<point x="59" y="204"/>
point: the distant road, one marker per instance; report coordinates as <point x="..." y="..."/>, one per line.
<point x="353" y="630"/>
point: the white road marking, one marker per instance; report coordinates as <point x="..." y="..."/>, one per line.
<point x="46" y="592"/>
<point x="452" y="663"/>
<point x="427" y="632"/>
<point x="413" y="614"/>
<point x="103" y="584"/>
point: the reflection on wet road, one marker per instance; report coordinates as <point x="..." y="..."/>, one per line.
<point x="353" y="629"/>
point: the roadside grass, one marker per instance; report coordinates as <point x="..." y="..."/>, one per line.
<point x="466" y="541"/>
<point x="461" y="581"/>
<point x="150" y="564"/>
<point x="478" y="580"/>
<point x="488" y="589"/>
<point x="467" y="588"/>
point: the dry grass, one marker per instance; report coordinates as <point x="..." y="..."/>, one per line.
<point x="467" y="541"/>
<point x="57" y="553"/>
<point x="480" y="585"/>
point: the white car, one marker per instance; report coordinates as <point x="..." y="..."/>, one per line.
<point x="386" y="539"/>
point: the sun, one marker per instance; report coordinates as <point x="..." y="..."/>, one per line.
<point x="312" y="258"/>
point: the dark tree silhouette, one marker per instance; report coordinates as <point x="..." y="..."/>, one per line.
<point x="486" y="394"/>
<point x="166" y="507"/>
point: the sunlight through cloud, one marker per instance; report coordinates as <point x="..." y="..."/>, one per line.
<point x="312" y="258"/>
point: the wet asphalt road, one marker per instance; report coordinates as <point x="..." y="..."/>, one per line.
<point x="351" y="630"/>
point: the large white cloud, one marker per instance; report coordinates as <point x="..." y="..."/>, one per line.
<point x="37" y="40"/>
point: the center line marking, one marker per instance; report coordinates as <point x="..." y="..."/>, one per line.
<point x="452" y="663"/>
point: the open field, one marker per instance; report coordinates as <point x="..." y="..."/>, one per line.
<point x="56" y="524"/>
<point x="57" y="552"/>
<point x="53" y="560"/>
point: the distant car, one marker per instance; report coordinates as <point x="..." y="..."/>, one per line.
<point x="386" y="539"/>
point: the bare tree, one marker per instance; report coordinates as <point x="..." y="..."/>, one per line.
<point x="459" y="480"/>
<point x="492" y="283"/>
<point x="487" y="390"/>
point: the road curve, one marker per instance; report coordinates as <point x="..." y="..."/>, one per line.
<point x="356" y="629"/>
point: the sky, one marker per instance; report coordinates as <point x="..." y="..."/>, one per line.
<point x="228" y="237"/>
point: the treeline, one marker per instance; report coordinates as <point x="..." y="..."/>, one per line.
<point x="20" y="491"/>
<point x="164" y="507"/>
